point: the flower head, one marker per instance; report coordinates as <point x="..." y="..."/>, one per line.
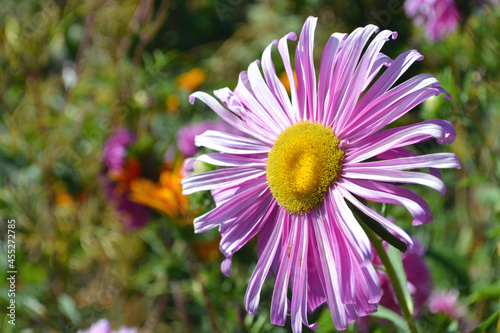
<point x="447" y="302"/>
<point x="306" y="157"/>
<point x="104" y="326"/>
<point x="172" y="103"/>
<point x="439" y="17"/>
<point x="165" y="196"/>
<point x="118" y="175"/>
<point x="191" y="80"/>
<point x="115" y="149"/>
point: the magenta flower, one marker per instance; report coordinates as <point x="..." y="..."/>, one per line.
<point x="439" y="17"/>
<point x="418" y="279"/>
<point x="185" y="136"/>
<point x="307" y="156"/>
<point x="447" y="302"/>
<point x="115" y="149"/>
<point x="114" y="156"/>
<point x="103" y="326"/>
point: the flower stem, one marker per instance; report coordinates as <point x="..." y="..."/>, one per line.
<point x="391" y="273"/>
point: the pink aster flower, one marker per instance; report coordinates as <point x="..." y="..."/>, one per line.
<point x="115" y="149"/>
<point x="307" y="156"/>
<point x="117" y="175"/>
<point x="104" y="326"/>
<point x="439" y="17"/>
<point x="447" y="302"/>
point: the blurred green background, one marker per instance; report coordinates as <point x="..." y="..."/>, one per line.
<point x="71" y="72"/>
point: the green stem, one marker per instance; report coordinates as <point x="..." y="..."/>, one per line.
<point x="391" y="273"/>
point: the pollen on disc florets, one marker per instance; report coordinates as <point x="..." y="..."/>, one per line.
<point x="304" y="161"/>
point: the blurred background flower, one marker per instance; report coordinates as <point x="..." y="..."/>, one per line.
<point x="418" y="279"/>
<point x="104" y="326"/>
<point x="438" y="17"/>
<point x="191" y="80"/>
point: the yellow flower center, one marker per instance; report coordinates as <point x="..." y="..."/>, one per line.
<point x="301" y="166"/>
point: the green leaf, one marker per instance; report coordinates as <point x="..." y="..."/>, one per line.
<point x="68" y="307"/>
<point x="449" y="264"/>
<point x="485" y="324"/>
<point x="491" y="291"/>
<point x="396" y="319"/>
<point x="397" y="263"/>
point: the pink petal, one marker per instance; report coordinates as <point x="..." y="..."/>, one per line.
<point x="230" y="143"/>
<point x="233" y="103"/>
<point x="258" y="114"/>
<point x="388" y="78"/>
<point x="279" y="305"/>
<point x="230" y="160"/>
<point x="328" y="272"/>
<point x="325" y="89"/>
<point x="390" y="176"/>
<point x="236" y="233"/>
<point x="387" y="193"/>
<point x="274" y="83"/>
<point x="381" y="60"/>
<point x="343" y="76"/>
<point x="266" y="98"/>
<point x="285" y="55"/>
<point x="438" y="160"/>
<point x="392" y="138"/>
<point x="391" y="106"/>
<point x="226" y="115"/>
<point x="223" y="194"/>
<point x="357" y="82"/>
<point x="299" y="279"/>
<point x="306" y="75"/>
<point x="349" y="226"/>
<point x="252" y="296"/>
<point x="219" y="178"/>
<point x="343" y="255"/>
<point x="394" y="229"/>
<point x="230" y="209"/>
<point x="226" y="265"/>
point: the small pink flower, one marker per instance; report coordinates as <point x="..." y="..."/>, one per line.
<point x="116" y="176"/>
<point x="115" y="149"/>
<point x="439" y="17"/>
<point x="104" y="326"/>
<point x="446" y="302"/>
<point x="417" y="275"/>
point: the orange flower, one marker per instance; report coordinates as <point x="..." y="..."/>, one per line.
<point x="284" y="79"/>
<point x="207" y="251"/>
<point x="124" y="177"/>
<point x="64" y="199"/>
<point x="165" y="196"/>
<point x="191" y="80"/>
<point x="172" y="103"/>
